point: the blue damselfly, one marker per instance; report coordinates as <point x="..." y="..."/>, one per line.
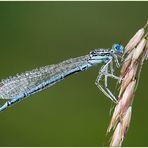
<point x="23" y="85"/>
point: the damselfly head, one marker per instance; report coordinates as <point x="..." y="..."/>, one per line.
<point x="117" y="49"/>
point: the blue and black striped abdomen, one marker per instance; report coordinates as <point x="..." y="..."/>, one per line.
<point x="33" y="81"/>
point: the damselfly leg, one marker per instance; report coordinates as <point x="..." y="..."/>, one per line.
<point x="106" y="73"/>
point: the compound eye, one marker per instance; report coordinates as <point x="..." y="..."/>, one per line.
<point x="118" y="48"/>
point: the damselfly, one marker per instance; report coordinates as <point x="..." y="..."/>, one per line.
<point x="23" y="85"/>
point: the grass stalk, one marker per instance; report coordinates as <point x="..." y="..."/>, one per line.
<point x="136" y="52"/>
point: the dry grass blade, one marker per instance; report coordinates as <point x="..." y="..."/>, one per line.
<point x="136" y="51"/>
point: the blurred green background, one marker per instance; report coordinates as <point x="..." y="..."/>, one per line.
<point x="73" y="112"/>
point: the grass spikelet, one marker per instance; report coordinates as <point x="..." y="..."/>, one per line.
<point x="136" y="51"/>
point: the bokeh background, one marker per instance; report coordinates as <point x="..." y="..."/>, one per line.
<point x="73" y="112"/>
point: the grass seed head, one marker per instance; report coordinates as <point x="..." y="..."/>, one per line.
<point x="117" y="136"/>
<point x="139" y="50"/>
<point x="126" y="121"/>
<point x="134" y="40"/>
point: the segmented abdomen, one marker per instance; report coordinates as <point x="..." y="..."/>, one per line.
<point x="21" y="83"/>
